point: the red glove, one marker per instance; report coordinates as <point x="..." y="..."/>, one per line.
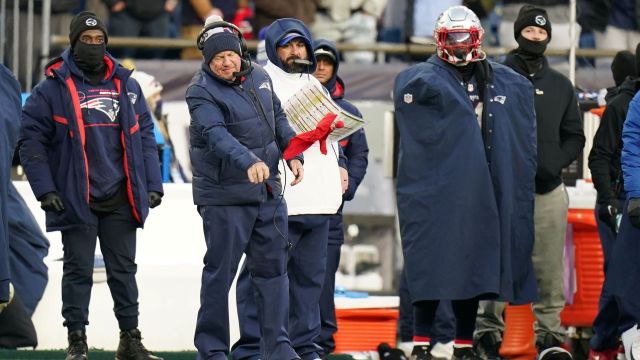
<point x="302" y="142"/>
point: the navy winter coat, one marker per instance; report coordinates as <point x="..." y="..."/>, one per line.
<point x="9" y="124"/>
<point x="52" y="138"/>
<point x="465" y="203"/>
<point x="232" y="127"/>
<point x="28" y="248"/>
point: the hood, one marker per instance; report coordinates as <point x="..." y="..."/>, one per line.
<point x="64" y="65"/>
<point x="277" y="30"/>
<point x="330" y="46"/>
<point x="518" y="63"/>
<point x="630" y="86"/>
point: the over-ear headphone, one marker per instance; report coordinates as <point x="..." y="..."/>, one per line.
<point x="205" y="33"/>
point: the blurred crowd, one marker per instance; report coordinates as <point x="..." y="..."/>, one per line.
<point x="603" y="24"/>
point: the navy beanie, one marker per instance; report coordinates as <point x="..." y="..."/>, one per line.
<point x="531" y="15"/>
<point x="220" y="39"/>
<point x="85" y="20"/>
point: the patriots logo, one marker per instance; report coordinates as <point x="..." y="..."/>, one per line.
<point x="106" y="105"/>
<point x="540" y="20"/>
<point x="133" y="97"/>
<point x="265" y="85"/>
<point x="500" y="98"/>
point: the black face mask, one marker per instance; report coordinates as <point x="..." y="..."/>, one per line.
<point x="534" y="48"/>
<point x="89" y="57"/>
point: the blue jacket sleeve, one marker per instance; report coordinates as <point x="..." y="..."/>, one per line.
<point x="36" y="131"/>
<point x="631" y="149"/>
<point x="149" y="146"/>
<point x="357" y="151"/>
<point x="210" y="118"/>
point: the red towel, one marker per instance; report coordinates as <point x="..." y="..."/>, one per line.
<point x="302" y="142"/>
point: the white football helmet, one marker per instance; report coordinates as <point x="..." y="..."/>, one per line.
<point x="458" y="36"/>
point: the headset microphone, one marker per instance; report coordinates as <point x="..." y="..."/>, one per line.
<point x="244" y="72"/>
<point x="304" y="62"/>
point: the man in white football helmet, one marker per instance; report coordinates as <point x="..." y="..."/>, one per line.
<point x="463" y="117"/>
<point x="458" y="36"/>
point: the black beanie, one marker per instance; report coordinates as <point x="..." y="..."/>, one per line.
<point x="531" y="15"/>
<point x="220" y="39"/>
<point x="85" y="20"/>
<point x="623" y="65"/>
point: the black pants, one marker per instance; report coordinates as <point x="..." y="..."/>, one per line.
<point x="117" y="233"/>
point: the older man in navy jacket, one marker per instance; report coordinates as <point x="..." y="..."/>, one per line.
<point x="88" y="149"/>
<point x="238" y="132"/>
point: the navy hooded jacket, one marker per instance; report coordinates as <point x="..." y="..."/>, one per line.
<point x="9" y="125"/>
<point x="233" y="126"/>
<point x="465" y="202"/>
<point x="52" y="140"/>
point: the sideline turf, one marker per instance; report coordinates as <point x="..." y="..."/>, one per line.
<point x="105" y="355"/>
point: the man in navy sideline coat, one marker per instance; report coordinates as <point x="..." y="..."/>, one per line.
<point x="238" y="132"/>
<point x="356" y="151"/>
<point x="465" y="185"/>
<point x="623" y="271"/>
<point x="89" y="153"/>
<point x="606" y="172"/>
<point x="10" y="101"/>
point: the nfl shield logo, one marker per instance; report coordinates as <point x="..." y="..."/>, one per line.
<point x="408" y="98"/>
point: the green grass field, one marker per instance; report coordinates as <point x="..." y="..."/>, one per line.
<point x="105" y="355"/>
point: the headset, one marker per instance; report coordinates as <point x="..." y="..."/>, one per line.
<point x="205" y="33"/>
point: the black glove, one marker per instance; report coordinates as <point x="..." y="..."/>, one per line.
<point x="608" y="211"/>
<point x="155" y="198"/>
<point x="52" y="202"/>
<point x="633" y="210"/>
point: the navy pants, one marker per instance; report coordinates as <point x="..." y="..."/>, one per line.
<point x="308" y="235"/>
<point x="117" y="233"/>
<point x="611" y="320"/>
<point x="443" y="329"/>
<point x="230" y="231"/>
<point x="328" y="323"/>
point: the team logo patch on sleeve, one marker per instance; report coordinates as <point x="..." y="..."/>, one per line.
<point x="133" y="97"/>
<point x="265" y="85"/>
<point x="408" y="98"/>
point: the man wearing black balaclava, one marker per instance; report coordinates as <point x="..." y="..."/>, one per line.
<point x="88" y="149"/>
<point x="560" y="140"/>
